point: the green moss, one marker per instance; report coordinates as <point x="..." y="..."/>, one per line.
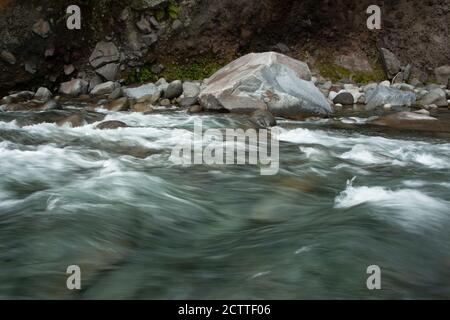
<point x="140" y="75"/>
<point x="173" y="10"/>
<point x="198" y="69"/>
<point x="335" y="72"/>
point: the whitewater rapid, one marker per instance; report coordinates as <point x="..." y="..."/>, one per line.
<point x="143" y="227"/>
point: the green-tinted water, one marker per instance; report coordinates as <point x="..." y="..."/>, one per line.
<point x="113" y="203"/>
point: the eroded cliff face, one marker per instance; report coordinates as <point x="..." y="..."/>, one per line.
<point x="37" y="48"/>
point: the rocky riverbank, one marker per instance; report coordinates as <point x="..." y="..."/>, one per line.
<point x="263" y="85"/>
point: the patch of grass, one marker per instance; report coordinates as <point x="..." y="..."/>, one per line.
<point x="173" y="10"/>
<point x="140" y="75"/>
<point x="198" y="69"/>
<point x="335" y="73"/>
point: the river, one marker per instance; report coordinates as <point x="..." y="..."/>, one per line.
<point x="141" y="227"/>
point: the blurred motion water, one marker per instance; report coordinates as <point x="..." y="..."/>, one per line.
<point x="140" y="227"/>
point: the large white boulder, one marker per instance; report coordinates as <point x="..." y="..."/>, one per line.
<point x="269" y="81"/>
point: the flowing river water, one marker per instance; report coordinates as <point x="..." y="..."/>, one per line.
<point x="141" y="227"/>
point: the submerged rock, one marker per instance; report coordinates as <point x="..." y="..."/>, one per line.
<point x="263" y="119"/>
<point x="143" y="107"/>
<point x="110" y="125"/>
<point x="382" y="95"/>
<point x="412" y="121"/>
<point x="195" y="109"/>
<point x="75" y="120"/>
<point x="260" y="81"/>
<point x="51" y="105"/>
<point x="121" y="104"/>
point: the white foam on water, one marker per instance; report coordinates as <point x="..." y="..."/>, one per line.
<point x="360" y="153"/>
<point x="309" y="152"/>
<point x="408" y="207"/>
<point x="372" y="149"/>
<point x="431" y="161"/>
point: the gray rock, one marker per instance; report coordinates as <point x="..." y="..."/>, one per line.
<point x="144" y="25"/>
<point x="382" y="95"/>
<point x="8" y="57"/>
<point x="109" y="71"/>
<point x="263" y="119"/>
<point x="104" y="53"/>
<point x="188" y="102"/>
<point x="76" y="120"/>
<point x="51" y="105"/>
<point x="174" y="90"/>
<point x="436" y="96"/>
<point x="406" y="72"/>
<point x="443" y="75"/>
<point x="141" y="91"/>
<point x="281" y="47"/>
<point x="6" y="100"/>
<point x="147" y="4"/>
<point x="154" y="22"/>
<point x="391" y="63"/>
<point x="191" y="89"/>
<point x="403" y="87"/>
<point x="121" y="104"/>
<point x="94" y="81"/>
<point x="265" y="80"/>
<point x="151" y="98"/>
<point x="49" y="52"/>
<point x="165" y="102"/>
<point x="143" y="107"/>
<point x="125" y="14"/>
<point x="74" y="87"/>
<point x="111" y="125"/>
<point x="43" y="94"/>
<point x="21" y="96"/>
<point x="195" y="109"/>
<point x="69" y="69"/>
<point x="116" y="94"/>
<point x="104" y="88"/>
<point x="157" y="68"/>
<point x="344" y="98"/>
<point x="30" y="67"/>
<point x="41" y="28"/>
<point x="162" y="84"/>
<point x="150" y="39"/>
<point x="177" y="25"/>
